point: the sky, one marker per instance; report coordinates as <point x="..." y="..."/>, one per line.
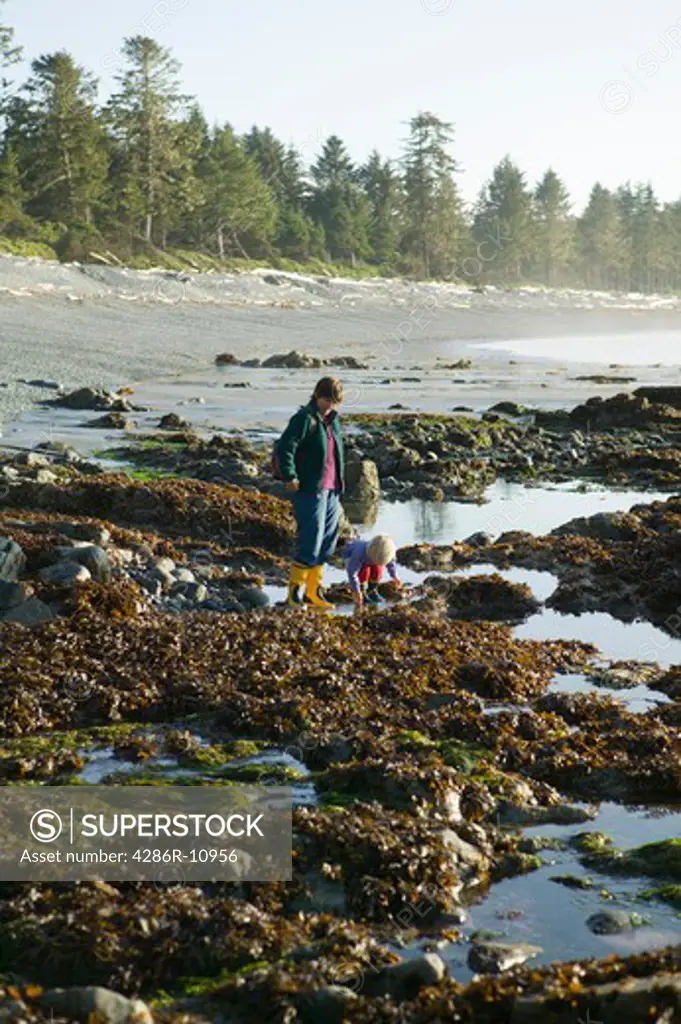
<point x="590" y="88"/>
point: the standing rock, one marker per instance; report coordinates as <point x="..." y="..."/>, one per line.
<point x="93" y="1002"/>
<point x="12" y="559"/>
<point x="362" y="482"/>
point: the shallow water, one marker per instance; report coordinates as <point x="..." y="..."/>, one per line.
<point x="508" y="506"/>
<point x="636" y="699"/>
<point x="661" y="348"/>
<point x="554" y="917"/>
<point x="636" y="641"/>
<point x="101" y="763"/>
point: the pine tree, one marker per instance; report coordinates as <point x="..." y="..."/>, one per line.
<point x="59" y="143"/>
<point x="382" y="186"/>
<point x="554" y="229"/>
<point x="502" y="225"/>
<point x="338" y="204"/>
<point x="238" y="208"/>
<point x="434" y="229"/>
<point x="642" y="225"/>
<point x="602" y="242"/>
<point x="12" y="196"/>
<point x="9" y="54"/>
<point x="145" y="119"/>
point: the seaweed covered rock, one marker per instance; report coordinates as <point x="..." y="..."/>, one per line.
<point x="489" y="598"/>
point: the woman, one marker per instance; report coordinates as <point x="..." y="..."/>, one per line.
<point x="312" y="464"/>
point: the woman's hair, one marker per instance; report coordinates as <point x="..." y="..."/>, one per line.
<point x="381" y="549"/>
<point x="329" y="387"/>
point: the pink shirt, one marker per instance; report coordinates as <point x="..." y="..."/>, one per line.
<point x="330" y="477"/>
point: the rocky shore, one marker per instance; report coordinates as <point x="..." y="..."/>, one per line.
<point x="426" y="744"/>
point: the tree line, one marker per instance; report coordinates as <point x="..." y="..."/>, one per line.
<point x="144" y="172"/>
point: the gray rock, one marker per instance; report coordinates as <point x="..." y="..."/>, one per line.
<point x="12" y="559"/>
<point x="404" y="981"/>
<point x="479" y="539"/>
<point x="89" y="532"/>
<point x="93" y="399"/>
<point x="463" y="852"/>
<point x="292" y="361"/>
<point x="165" y="565"/>
<point x="253" y="597"/>
<point x="559" y="814"/>
<point x="325" y="896"/>
<point x="194" y="592"/>
<point x="66" y="574"/>
<point x="613" y="922"/>
<point x="324" y="1004"/>
<point x="94" y="558"/>
<point x="13" y="594"/>
<point x="30" y="613"/>
<point x="109" y="1007"/>
<point x="184" y="576"/>
<point x="497" y="957"/>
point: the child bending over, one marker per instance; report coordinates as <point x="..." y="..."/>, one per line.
<point x="364" y="562"/>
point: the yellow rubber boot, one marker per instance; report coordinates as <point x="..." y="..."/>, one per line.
<point x="297" y="580"/>
<point x="313" y="591"/>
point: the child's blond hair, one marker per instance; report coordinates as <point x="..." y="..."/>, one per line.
<point x="381" y="549"/>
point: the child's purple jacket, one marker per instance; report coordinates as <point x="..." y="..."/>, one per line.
<point x="354" y="555"/>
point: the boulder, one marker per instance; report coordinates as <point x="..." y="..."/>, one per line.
<point x="12" y="559"/>
<point x="174" y="422"/>
<point x="324" y="1004"/>
<point x="348" y="362"/>
<point x="497" y="957"/>
<point x="226" y="359"/>
<point x="292" y="361"/>
<point x="95" y="1003"/>
<point x="93" y="399"/>
<point x="613" y="922"/>
<point x="13" y="594"/>
<point x="94" y="558"/>
<point x="112" y="421"/>
<point x="30" y="613"/>
<point x="66" y="574"/>
<point x="402" y="982"/>
<point x="253" y="597"/>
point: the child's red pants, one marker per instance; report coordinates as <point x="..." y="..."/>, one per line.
<point x="370" y="574"/>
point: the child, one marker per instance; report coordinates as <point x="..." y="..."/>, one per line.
<point x="364" y="561"/>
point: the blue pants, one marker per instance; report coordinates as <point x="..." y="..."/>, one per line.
<point x="317" y="516"/>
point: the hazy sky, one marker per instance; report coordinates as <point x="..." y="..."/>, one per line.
<point x="590" y="87"/>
